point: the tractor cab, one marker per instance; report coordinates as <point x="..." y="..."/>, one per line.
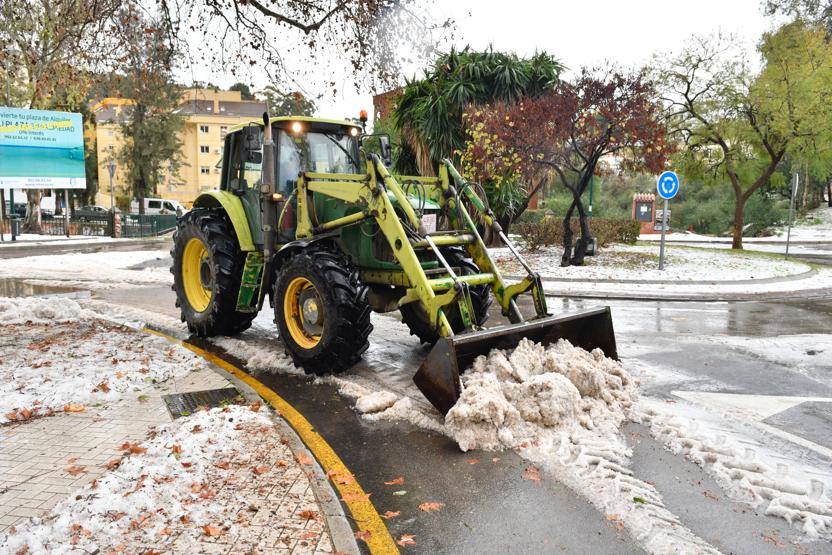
<point x="302" y="145"/>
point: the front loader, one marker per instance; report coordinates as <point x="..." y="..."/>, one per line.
<point x="306" y="216"/>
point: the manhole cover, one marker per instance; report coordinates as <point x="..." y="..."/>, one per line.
<point x="184" y="404"/>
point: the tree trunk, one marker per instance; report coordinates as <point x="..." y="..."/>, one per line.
<point x="32" y="221"/>
<point x="739" y="208"/>
<point x="829" y="194"/>
<point x="585" y="238"/>
<point x="566" y="259"/>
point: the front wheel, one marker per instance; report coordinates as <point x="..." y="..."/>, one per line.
<point x="321" y="312"/>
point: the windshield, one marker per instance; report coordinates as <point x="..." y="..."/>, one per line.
<point x="333" y="152"/>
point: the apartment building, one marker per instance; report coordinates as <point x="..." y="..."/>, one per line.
<point x="209" y="115"/>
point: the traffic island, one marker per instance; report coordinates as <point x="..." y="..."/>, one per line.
<point x="691" y="273"/>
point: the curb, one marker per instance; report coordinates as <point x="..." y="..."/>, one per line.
<point x="776" y="279"/>
<point x="814" y="294"/>
<point x="339" y="527"/>
<point x="23" y="250"/>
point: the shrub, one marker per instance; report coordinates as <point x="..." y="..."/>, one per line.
<point x="549" y="231"/>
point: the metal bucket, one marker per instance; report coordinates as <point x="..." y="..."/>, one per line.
<point x="438" y="375"/>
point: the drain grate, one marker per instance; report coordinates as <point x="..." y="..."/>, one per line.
<point x="184" y="404"/>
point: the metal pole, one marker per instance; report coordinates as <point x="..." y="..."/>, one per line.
<point x="2" y="212"/>
<point x="12" y="214"/>
<point x="791" y="212"/>
<point x="66" y="211"/>
<point x="664" y="229"/>
<point x="111" y="170"/>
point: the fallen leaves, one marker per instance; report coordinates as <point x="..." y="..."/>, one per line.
<point x="303" y="459"/>
<point x="260" y="469"/>
<point x="363" y="535"/>
<point x="351" y="496"/>
<point x="20" y="415"/>
<point x="395" y="481"/>
<point x="391" y="514"/>
<point x="308" y="514"/>
<point x="74" y="469"/>
<point x="103" y="387"/>
<point x="112" y="464"/>
<point x="256" y="406"/>
<point x="431" y="506"/>
<point x="339" y="477"/>
<point x="133" y="448"/>
<point x="473" y="461"/>
<point x="74" y="407"/>
<point x="532" y="474"/>
<point x="212" y="531"/>
<point x="406" y="539"/>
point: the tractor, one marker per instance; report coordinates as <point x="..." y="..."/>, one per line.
<point x="309" y="214"/>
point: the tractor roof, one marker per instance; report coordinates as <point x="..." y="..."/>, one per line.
<point x="342" y="122"/>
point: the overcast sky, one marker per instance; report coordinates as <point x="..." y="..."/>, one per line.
<point x="577" y="33"/>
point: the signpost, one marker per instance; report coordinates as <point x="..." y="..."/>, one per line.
<point x="667" y="185"/>
<point x="795" y="186"/>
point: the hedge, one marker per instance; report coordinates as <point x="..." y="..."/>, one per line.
<point x="549" y="231"/>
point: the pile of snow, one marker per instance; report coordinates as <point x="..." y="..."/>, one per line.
<point x="49" y="367"/>
<point x="516" y="399"/>
<point x="745" y="466"/>
<point x="198" y="479"/>
<point x="561" y="408"/>
<point x="38" y="310"/>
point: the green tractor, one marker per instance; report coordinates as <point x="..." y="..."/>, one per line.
<point x="308" y="216"/>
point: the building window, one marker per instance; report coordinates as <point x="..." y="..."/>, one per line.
<point x="203" y="129"/>
<point x="204" y="149"/>
<point x="204" y="170"/>
<point x="223" y="131"/>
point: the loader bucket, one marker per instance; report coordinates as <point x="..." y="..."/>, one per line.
<point x="438" y="375"/>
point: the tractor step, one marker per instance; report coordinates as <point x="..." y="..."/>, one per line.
<point x="248" y="299"/>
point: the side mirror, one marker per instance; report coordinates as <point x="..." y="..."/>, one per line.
<point x="386" y="150"/>
<point x="253" y="156"/>
<point x="252" y="138"/>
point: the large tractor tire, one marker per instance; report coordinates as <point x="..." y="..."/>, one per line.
<point x="416" y="318"/>
<point x="321" y="311"/>
<point x="207" y="268"/>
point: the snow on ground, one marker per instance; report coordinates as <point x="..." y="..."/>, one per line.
<point x="794" y="351"/>
<point x="54" y="356"/>
<point x="794" y="486"/>
<point x="100" y="270"/>
<point x="215" y="475"/>
<point x="640" y="262"/>
<point x="814" y="226"/>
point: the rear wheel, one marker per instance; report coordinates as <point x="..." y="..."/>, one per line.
<point x="321" y="311"/>
<point x="416" y="318"/>
<point x="207" y="268"/>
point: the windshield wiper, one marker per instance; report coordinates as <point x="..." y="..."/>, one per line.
<point x="347" y="152"/>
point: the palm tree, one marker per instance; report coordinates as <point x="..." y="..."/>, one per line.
<point x="429" y="112"/>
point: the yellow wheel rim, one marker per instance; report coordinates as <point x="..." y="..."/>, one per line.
<point x="196" y="275"/>
<point x="303" y="312"/>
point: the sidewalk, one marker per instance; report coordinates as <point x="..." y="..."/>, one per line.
<point x="91" y="458"/>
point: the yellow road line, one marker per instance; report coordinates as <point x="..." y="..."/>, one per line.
<point x="358" y="502"/>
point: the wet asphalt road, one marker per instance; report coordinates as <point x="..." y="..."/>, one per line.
<point x="489" y="508"/>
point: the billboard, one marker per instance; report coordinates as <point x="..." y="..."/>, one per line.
<point x="40" y="149"/>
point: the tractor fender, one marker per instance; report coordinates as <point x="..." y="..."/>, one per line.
<point x="234" y="209"/>
<point x="292" y="247"/>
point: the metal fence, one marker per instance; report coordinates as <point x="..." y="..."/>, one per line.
<point x="130" y="225"/>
